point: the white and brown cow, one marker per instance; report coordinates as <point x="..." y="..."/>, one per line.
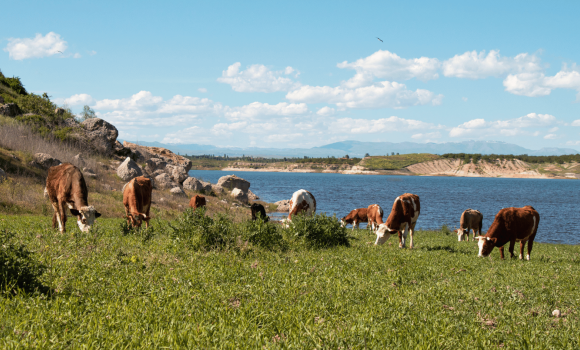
<point x="470" y="220"/>
<point x="302" y="202"/>
<point x="355" y="217"/>
<point x="375" y="216"/>
<point x="66" y="187"/>
<point x="511" y="225"/>
<point x="402" y="220"/>
<point x="137" y="201"/>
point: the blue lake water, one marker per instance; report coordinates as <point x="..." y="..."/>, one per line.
<point x="443" y="199"/>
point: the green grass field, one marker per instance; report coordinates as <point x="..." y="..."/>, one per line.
<point x="396" y="162"/>
<point x="115" y="291"/>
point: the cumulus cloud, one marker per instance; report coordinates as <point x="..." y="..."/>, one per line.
<point x="202" y="90"/>
<point x="77" y="100"/>
<point x="382" y="125"/>
<point x="37" y="47"/>
<point x="511" y="127"/>
<point x="551" y="136"/>
<point x="474" y="65"/>
<point x="427" y="136"/>
<point x="326" y="111"/>
<point x="379" y="95"/>
<point x="258" y="78"/>
<point x="258" y="110"/>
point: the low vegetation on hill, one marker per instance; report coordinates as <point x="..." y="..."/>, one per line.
<point x="475" y="157"/>
<point x="396" y="162"/>
<point x="212" y="162"/>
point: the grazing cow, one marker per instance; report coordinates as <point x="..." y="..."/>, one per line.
<point x="259" y="209"/>
<point x="470" y="220"/>
<point x="66" y="186"/>
<point x="375" y="215"/>
<point x="137" y="201"/>
<point x="355" y="217"/>
<point x="402" y="219"/>
<point x="197" y="201"/>
<point x="511" y="225"/>
<point x="302" y="202"/>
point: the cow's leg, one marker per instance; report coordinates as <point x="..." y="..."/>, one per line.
<point x="511" y="249"/>
<point x="403" y="235"/>
<point x="55" y="216"/>
<point x="62" y="216"/>
<point x="411" y="232"/>
<point x="522" y="245"/>
<point x="467" y="235"/>
<point x="530" y="245"/>
<point x="354" y="225"/>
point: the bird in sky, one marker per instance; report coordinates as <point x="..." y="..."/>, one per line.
<point x="379" y="39"/>
<point x="59" y="51"/>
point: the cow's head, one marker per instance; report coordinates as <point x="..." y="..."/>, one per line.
<point x="384" y="233"/>
<point x="460" y="232"/>
<point x="85" y="217"/>
<point x="486" y="245"/>
<point x="343" y="222"/>
<point x="136" y="219"/>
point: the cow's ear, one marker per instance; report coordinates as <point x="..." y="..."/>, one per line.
<point x="494" y="240"/>
<point x="75" y="212"/>
<point x="97" y="215"/>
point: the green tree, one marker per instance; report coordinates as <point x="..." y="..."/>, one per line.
<point x="87" y="113"/>
<point x="367" y="155"/>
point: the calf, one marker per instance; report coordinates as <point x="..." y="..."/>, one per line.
<point x="259" y="209"/>
<point x="470" y="220"/>
<point x="375" y="215"/>
<point x="355" y="217"/>
<point x="511" y="225"/>
<point x="197" y="201"/>
<point x="302" y="202"/>
<point x="66" y="186"/>
<point x="137" y="201"/>
<point x="402" y="219"/>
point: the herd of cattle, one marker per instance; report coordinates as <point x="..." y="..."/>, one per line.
<point x="66" y="187"/>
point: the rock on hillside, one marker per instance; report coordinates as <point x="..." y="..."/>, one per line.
<point x="44" y="161"/>
<point x="10" y="110"/>
<point x="283" y="205"/>
<point x="129" y="170"/>
<point x="457" y="167"/>
<point x="192" y="184"/>
<point x="240" y="195"/>
<point x="161" y="153"/>
<point x="102" y="134"/>
<point x="3" y="176"/>
<point x="165" y="181"/>
<point x="230" y="182"/>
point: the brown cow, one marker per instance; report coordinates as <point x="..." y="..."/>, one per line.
<point x="66" y="186"/>
<point x="355" y="217"/>
<point x="197" y="201"/>
<point x="137" y="201"/>
<point x="302" y="202"/>
<point x="402" y="219"/>
<point x="375" y="215"/>
<point x="511" y="225"/>
<point x="470" y="220"/>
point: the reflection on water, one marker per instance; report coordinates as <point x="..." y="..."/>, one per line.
<point x="443" y="199"/>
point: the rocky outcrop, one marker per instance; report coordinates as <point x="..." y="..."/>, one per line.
<point x="89" y="172"/>
<point x="44" y="161"/>
<point x="176" y="191"/>
<point x="102" y="134"/>
<point x="239" y="195"/>
<point x="252" y="196"/>
<point x="206" y="186"/>
<point x="120" y="150"/>
<point x="192" y="184"/>
<point x="59" y="111"/>
<point x="283" y="205"/>
<point x="129" y="170"/>
<point x="3" y="176"/>
<point x="78" y="160"/>
<point x="10" y="110"/>
<point x="179" y="174"/>
<point x="165" y="181"/>
<point x="162" y="153"/>
<point x="154" y="164"/>
<point x="230" y="182"/>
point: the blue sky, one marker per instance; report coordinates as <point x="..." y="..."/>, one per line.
<point x="303" y="74"/>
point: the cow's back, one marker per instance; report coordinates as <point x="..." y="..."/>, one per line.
<point x="66" y="181"/>
<point x="302" y="201"/>
<point x="514" y="223"/>
<point x="471" y="219"/>
<point x="138" y="193"/>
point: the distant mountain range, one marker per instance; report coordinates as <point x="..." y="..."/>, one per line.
<point x="359" y="149"/>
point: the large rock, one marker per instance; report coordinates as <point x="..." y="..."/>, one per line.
<point x="70" y="122"/>
<point x="121" y="151"/>
<point x="240" y="195"/>
<point x="192" y="184"/>
<point x="206" y="186"/>
<point x="10" y="110"/>
<point x="283" y="205"/>
<point x="179" y="174"/>
<point x="103" y="135"/>
<point x="78" y="160"/>
<point x="252" y="196"/>
<point x="217" y="189"/>
<point x="44" y="161"/>
<point x="128" y="170"/>
<point x="230" y="182"/>
<point x="3" y="176"/>
<point x="163" y="153"/>
<point x="176" y="191"/>
<point x="164" y="181"/>
<point x="59" y="111"/>
<point x="154" y="164"/>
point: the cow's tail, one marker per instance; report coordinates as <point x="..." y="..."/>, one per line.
<point x="45" y="193"/>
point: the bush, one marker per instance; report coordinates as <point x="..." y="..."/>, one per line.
<point x="14" y="83"/>
<point x="18" y="270"/>
<point x="318" y="231"/>
<point x="265" y="235"/>
<point x="202" y="232"/>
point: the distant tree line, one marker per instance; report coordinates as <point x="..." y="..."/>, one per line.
<point x="328" y="160"/>
<point x="476" y="157"/>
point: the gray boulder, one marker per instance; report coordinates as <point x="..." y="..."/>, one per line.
<point x="240" y="195"/>
<point x="192" y="184"/>
<point x="10" y="110"/>
<point x="179" y="174"/>
<point x="176" y="191"/>
<point x="206" y="186"/>
<point x="154" y="164"/>
<point x="44" y="161"/>
<point x="230" y="182"/>
<point x="252" y="196"/>
<point x="217" y="189"/>
<point x="103" y="135"/>
<point x="3" y="176"/>
<point x="59" y="111"/>
<point x="79" y="161"/>
<point x="128" y="170"/>
<point x="283" y="205"/>
<point x="71" y="122"/>
<point x="158" y="172"/>
<point x="165" y="181"/>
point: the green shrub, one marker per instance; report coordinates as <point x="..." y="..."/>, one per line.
<point x="18" y="269"/>
<point x="14" y="83"/>
<point x="201" y="232"/>
<point x="318" y="231"/>
<point x="265" y="235"/>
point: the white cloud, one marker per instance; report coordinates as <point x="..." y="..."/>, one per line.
<point x="202" y="90"/>
<point x="277" y="138"/>
<point x="77" y="100"/>
<point x="369" y="126"/>
<point x="326" y="111"/>
<point x="380" y="95"/>
<point x="554" y="129"/>
<point x="92" y="53"/>
<point x="576" y="122"/>
<point x="551" y="136"/>
<point x="510" y="127"/>
<point x="388" y="65"/>
<point x="37" y="47"/>
<point x="473" y="65"/>
<point x="573" y="143"/>
<point x="464" y="99"/>
<point x="77" y="55"/>
<point x="257" y="110"/>
<point x="538" y="84"/>
<point x="258" y="78"/>
<point x="224" y="129"/>
<point x="427" y="136"/>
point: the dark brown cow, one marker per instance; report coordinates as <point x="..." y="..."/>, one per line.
<point x="470" y="220"/>
<point x="66" y="186"/>
<point x="375" y="215"/>
<point x="197" y="201"/>
<point x="511" y="225"/>
<point x="137" y="201"/>
<point x="402" y="219"/>
<point x="257" y="208"/>
<point x="355" y="217"/>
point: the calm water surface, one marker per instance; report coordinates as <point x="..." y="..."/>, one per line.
<point x="443" y="199"/>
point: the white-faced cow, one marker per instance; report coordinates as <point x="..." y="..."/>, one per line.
<point x="402" y="220"/>
<point x="511" y="225"/>
<point x="355" y="217"/>
<point x="66" y="187"/>
<point x="137" y="201"/>
<point x="470" y="220"/>
<point x="375" y="215"/>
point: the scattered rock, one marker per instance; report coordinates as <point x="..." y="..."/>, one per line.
<point x="240" y="195"/>
<point x="107" y="187"/>
<point x="44" y="161"/>
<point x="176" y="191"/>
<point x="154" y="164"/>
<point x="79" y="161"/>
<point x="283" y="205"/>
<point x="10" y="110"/>
<point x="179" y="174"/>
<point x="158" y="172"/>
<point x="192" y="184"/>
<point x="165" y="181"/>
<point x="163" y="153"/>
<point x="3" y="176"/>
<point x="230" y="182"/>
<point x="121" y="151"/>
<point x="217" y="189"/>
<point x="206" y="186"/>
<point x="71" y="122"/>
<point x="556" y="313"/>
<point x="102" y="134"/>
<point x="252" y="196"/>
<point x="128" y="170"/>
<point x="59" y="111"/>
<point x="89" y="172"/>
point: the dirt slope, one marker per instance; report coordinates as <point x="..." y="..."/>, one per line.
<point x="456" y="167"/>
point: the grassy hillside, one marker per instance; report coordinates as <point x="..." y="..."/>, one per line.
<point x="397" y="161"/>
<point x="122" y="290"/>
